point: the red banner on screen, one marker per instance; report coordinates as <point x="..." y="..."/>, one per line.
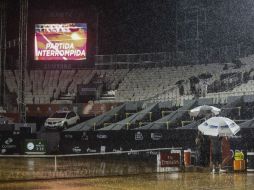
<point x="60" y="41"/>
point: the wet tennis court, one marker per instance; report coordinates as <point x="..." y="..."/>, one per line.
<point x="172" y="181"/>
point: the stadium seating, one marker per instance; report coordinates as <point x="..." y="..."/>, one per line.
<point x="45" y="87"/>
<point x="152" y="83"/>
<point x="11" y="81"/>
<point x="141" y="84"/>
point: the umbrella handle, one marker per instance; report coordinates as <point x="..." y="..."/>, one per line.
<point x="232" y="153"/>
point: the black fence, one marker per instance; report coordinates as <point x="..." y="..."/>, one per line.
<point x="112" y="141"/>
<point x="12" y="138"/>
<point x="81" y="142"/>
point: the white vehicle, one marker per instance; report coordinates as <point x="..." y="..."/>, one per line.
<point x="62" y="120"/>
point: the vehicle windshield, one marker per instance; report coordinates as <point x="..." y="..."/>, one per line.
<point x="58" y="115"/>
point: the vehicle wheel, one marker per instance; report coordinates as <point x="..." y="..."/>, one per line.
<point x="77" y="121"/>
<point x="65" y="126"/>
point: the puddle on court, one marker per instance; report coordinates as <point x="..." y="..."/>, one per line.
<point x="172" y="181"/>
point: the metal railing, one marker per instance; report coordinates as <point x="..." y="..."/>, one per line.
<point x="208" y="55"/>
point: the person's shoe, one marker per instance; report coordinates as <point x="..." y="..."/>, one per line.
<point x="222" y="171"/>
<point x="213" y="171"/>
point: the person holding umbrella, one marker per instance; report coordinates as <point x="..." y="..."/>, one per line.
<point x="216" y="153"/>
<point x="216" y="128"/>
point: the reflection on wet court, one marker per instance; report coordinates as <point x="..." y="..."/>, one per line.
<point x="116" y="171"/>
<point x="172" y="181"/>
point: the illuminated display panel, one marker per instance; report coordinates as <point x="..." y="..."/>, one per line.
<point x="60" y="41"/>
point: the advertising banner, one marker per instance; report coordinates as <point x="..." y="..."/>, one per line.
<point x="8" y="145"/>
<point x="168" y="159"/>
<point x="35" y="146"/>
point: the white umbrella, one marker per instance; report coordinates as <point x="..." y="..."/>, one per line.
<point x="219" y="126"/>
<point x="205" y="109"/>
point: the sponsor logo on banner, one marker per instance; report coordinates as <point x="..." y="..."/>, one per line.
<point x="90" y="150"/>
<point x="156" y="136"/>
<point x="84" y="136"/>
<point x="101" y="136"/>
<point x="138" y="136"/>
<point x="30" y="146"/>
<point x="76" y="149"/>
<point x="133" y="152"/>
<point x="35" y="146"/>
<point x="169" y="159"/>
<point x="103" y="149"/>
<point x="16" y="132"/>
<point x="8" y="141"/>
<point x="152" y="153"/>
<point x="118" y="150"/>
<point x="7" y="144"/>
<point x="68" y="136"/>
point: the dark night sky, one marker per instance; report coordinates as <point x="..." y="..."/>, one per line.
<point x="137" y="26"/>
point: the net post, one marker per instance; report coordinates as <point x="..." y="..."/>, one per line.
<point x="55" y="164"/>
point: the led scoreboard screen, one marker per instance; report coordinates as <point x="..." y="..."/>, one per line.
<point x="60" y="41"/>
